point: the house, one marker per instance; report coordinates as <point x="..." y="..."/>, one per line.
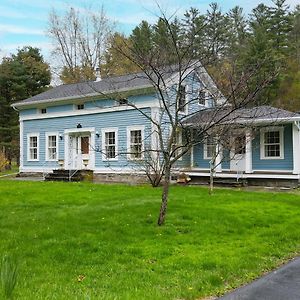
<point x="105" y="126"/>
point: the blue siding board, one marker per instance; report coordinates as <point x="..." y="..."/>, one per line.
<point x="120" y="119"/>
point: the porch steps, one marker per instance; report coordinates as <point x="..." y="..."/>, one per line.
<point x="64" y="175"/>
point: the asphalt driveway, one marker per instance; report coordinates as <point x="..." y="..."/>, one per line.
<point x="282" y="284"/>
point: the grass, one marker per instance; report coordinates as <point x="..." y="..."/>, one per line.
<point x="85" y="241"/>
<point x="14" y="169"/>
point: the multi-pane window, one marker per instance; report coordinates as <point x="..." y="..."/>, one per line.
<point x="182" y="98"/>
<point x="177" y="143"/>
<point x="209" y="147"/>
<point x="136" y="144"/>
<point x="110" y="144"/>
<point x="33" y="147"/>
<point x="43" y="110"/>
<point x="80" y="106"/>
<point x="202" y="97"/>
<point x="272" y="144"/>
<point x="52" y="147"/>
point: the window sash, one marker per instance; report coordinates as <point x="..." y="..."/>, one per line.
<point x="272" y="144"/>
<point x="33" y="147"/>
<point x="110" y="145"/>
<point x="52" y="147"/>
<point x="136" y="144"/>
<point x="210" y="147"/>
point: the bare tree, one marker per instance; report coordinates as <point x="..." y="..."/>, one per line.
<point x="80" y="39"/>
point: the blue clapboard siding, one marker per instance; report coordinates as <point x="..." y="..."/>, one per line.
<point x="274" y="164"/>
<point x="88" y="105"/>
<point x="120" y="119"/>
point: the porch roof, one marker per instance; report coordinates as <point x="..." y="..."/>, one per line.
<point x="242" y="116"/>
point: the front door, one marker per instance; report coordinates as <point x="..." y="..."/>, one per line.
<point x="79" y="151"/>
<point x="238" y="154"/>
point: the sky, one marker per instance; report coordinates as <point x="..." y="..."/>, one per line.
<point x="24" y="22"/>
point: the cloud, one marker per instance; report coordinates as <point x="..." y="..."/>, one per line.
<point x="13" y="29"/>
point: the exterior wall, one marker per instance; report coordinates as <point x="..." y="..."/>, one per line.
<point x="274" y="164"/>
<point x="119" y="119"/>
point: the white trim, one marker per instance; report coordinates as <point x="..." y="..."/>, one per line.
<point x="262" y="142"/>
<point x="79" y="130"/>
<point x="218" y="161"/>
<point x="129" y="129"/>
<point x="296" y="149"/>
<point x="37" y="135"/>
<point x="103" y="132"/>
<point x="47" y="134"/>
<point x="253" y="175"/>
<point x="248" y="153"/>
<point x="21" y="144"/>
<point x="96" y="110"/>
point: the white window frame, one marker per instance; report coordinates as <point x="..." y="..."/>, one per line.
<point x="205" y="148"/>
<point x="178" y="142"/>
<point x="40" y="111"/>
<point x="29" y="135"/>
<point x="132" y="128"/>
<point x="103" y="132"/>
<point x="262" y="142"/>
<point x="47" y="145"/>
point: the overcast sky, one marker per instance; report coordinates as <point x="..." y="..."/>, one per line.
<point x="24" y="22"/>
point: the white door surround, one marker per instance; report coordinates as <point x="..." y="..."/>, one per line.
<point x="79" y="148"/>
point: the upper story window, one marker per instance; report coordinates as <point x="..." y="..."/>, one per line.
<point x="201" y="97"/>
<point x="33" y="147"/>
<point x="80" y="106"/>
<point x="271" y="143"/>
<point x="109" y="144"/>
<point x="182" y="98"/>
<point x="123" y="101"/>
<point x="135" y="140"/>
<point x="43" y="110"/>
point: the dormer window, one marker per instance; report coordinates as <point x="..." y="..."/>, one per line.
<point x="80" y="106"/>
<point x="43" y="110"/>
<point x="123" y="101"/>
<point x="182" y="98"/>
<point x="202" y="97"/>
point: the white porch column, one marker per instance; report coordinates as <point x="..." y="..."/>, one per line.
<point x="248" y="154"/>
<point x="218" y="158"/>
<point x="296" y="149"/>
<point x="22" y="150"/>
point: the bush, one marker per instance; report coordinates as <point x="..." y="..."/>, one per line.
<point x="3" y="161"/>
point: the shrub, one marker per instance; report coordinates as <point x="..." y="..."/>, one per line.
<point x="3" y="161"/>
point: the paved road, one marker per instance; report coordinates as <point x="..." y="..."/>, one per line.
<point x="282" y="284"/>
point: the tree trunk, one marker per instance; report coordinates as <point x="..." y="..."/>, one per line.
<point x="164" y="197"/>
<point x="211" y="177"/>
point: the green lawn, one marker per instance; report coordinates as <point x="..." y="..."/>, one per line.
<point x="108" y="234"/>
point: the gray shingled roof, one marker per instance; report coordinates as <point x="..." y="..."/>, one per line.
<point x="115" y="84"/>
<point x="224" y="115"/>
<point x="90" y="88"/>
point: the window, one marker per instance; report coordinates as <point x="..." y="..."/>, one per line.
<point x="80" y="106"/>
<point x="135" y="139"/>
<point x="272" y="143"/>
<point x="240" y="144"/>
<point x="177" y="143"/>
<point x="33" y="147"/>
<point x="43" y="110"/>
<point x="202" y="97"/>
<point x="109" y="144"/>
<point x="51" y="146"/>
<point x="182" y="98"/>
<point x="123" y="101"/>
<point x="209" y="147"/>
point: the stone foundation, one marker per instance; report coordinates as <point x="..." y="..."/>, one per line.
<point x="120" y="178"/>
